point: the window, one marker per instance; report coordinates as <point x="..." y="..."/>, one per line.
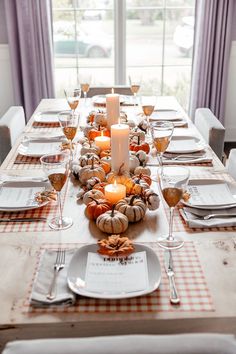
<point x="110" y="40"/>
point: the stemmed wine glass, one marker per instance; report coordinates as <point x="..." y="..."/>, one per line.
<point x="134" y="87"/>
<point x="161" y="135"/>
<point x="148" y="105"/>
<point x="56" y="167"/>
<point x="69" y="123"/>
<point x="173" y="182"/>
<point x="85" y="86"/>
<point x="73" y="96"/>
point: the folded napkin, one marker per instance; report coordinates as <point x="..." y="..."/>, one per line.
<point x="43" y="279"/>
<point x="194" y="217"/>
<point x="169" y="158"/>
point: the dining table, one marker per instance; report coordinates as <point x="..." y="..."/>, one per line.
<point x="205" y="267"/>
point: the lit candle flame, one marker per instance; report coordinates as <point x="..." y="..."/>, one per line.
<point x="102" y="133"/>
<point x="112" y="90"/>
<point x="119" y="120"/>
<point x="115" y="184"/>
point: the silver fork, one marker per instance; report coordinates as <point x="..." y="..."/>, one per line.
<point x="58" y="265"/>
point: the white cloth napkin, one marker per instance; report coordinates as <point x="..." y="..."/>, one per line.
<point x="168" y="158"/>
<point x="43" y="279"/>
<point x="195" y="221"/>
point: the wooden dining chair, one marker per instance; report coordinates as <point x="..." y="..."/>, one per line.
<point x="103" y="90"/>
<point x="211" y="130"/>
<point x="129" y="344"/>
<point x="12" y="124"/>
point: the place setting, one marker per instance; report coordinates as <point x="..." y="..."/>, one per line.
<point x="85" y="279"/>
<point x="212" y="203"/>
<point x="176" y="149"/>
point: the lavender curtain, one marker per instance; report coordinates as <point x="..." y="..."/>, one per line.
<point x="30" y="43"/>
<point x="213" y="23"/>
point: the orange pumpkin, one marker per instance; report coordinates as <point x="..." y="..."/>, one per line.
<point x="97" y="207"/>
<point x="140" y="145"/>
<point x="93" y="133"/>
<point x="143" y="177"/>
<point x="100" y="186"/>
<point x="105" y="165"/>
<point x="105" y="153"/>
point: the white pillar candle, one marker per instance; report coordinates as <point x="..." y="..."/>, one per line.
<point x="120" y="147"/>
<point x="103" y="142"/>
<point x="115" y="192"/>
<point x="113" y="109"/>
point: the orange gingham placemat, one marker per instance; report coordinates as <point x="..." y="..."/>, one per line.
<point x="190" y="282"/>
<point x="48" y="211"/>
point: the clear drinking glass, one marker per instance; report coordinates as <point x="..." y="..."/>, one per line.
<point x="56" y="167"/>
<point x="73" y="95"/>
<point x="173" y="181"/>
<point x="69" y="122"/>
<point x="161" y="135"/>
<point x="148" y="105"/>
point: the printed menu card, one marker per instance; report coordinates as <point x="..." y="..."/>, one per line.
<point x="116" y="275"/>
<point x="17" y="197"/>
<point x="211" y="194"/>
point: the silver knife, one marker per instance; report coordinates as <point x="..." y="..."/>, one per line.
<point x="22" y="219"/>
<point x="168" y="261"/>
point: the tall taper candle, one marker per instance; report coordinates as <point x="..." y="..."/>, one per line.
<point x="120" y="147"/>
<point x="113" y="109"/>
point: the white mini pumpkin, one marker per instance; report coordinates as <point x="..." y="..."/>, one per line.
<point x="93" y="194"/>
<point x="133" y="207"/>
<point x="112" y="222"/>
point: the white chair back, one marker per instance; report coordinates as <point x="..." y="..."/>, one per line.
<point x="211" y="129"/>
<point x="12" y="124"/>
<point x="132" y="344"/>
<point x="103" y="90"/>
<point x="231" y="163"/>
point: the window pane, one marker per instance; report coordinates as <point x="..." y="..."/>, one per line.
<point x="177" y="83"/>
<point x="179" y="37"/>
<point x="83" y="40"/>
<point x="148" y="77"/>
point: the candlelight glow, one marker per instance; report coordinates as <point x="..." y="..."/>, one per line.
<point x="102" y="133"/>
<point x="112" y="90"/>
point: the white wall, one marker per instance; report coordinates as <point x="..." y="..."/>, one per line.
<point x="230" y="114"/>
<point x="6" y="90"/>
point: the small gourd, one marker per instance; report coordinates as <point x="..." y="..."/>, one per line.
<point x="142" y="177"/>
<point x="87" y="159"/>
<point x="106" y="159"/>
<point x="133" y="207"/>
<point x="89" y="148"/>
<point x="133" y="162"/>
<point x="91" y="182"/>
<point x="119" y="176"/>
<point x="140" y="145"/>
<point x="151" y="199"/>
<point x="142" y="156"/>
<point x="101" y="119"/>
<point x="91" y="195"/>
<point x="96" y="208"/>
<point x="143" y="170"/>
<point x="112" y="222"/>
<point x="92" y="170"/>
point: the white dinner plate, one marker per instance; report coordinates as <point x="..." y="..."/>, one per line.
<point x="101" y="100"/>
<point x="231" y="187"/>
<point x="39" y="147"/>
<point x="13" y="190"/>
<point x="166" y="114"/>
<point x="184" y="144"/>
<point x="77" y="270"/>
<point x="47" y="117"/>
